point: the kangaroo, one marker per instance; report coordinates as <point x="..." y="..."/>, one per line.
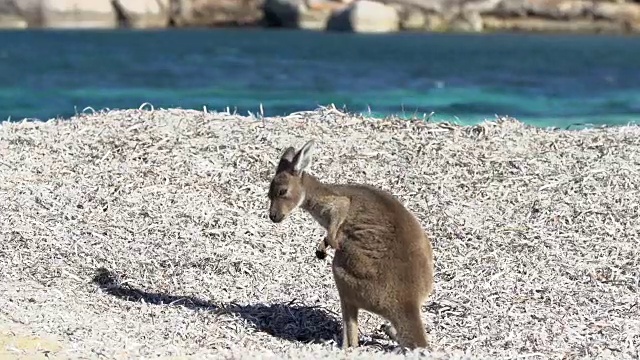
<point x="383" y="260"/>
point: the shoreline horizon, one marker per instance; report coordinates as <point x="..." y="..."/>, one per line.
<point x="374" y="116"/>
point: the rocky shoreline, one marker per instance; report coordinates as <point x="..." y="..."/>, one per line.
<point x="564" y="16"/>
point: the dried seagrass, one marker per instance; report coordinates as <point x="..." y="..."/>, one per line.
<point x="140" y="233"/>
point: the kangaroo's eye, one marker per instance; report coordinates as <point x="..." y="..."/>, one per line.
<point x="282" y="192"/>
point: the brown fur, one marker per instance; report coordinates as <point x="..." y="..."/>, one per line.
<point x="383" y="260"/>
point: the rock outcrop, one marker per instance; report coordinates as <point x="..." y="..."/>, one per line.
<point x="128" y="13"/>
<point x="612" y="16"/>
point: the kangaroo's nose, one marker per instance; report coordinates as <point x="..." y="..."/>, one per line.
<point x="275" y="217"/>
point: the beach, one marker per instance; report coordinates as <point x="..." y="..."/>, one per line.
<point x="144" y="233"/>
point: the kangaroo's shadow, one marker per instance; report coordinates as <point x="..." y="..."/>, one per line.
<point x="283" y="320"/>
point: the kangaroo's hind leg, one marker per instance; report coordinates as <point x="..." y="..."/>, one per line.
<point x="349" y="325"/>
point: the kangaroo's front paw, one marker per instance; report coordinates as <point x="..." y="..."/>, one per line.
<point x="321" y="249"/>
<point x="321" y="254"/>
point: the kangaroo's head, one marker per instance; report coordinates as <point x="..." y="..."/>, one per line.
<point x="286" y="191"/>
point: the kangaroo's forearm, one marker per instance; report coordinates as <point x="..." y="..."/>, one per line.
<point x="332" y="237"/>
<point x="338" y="216"/>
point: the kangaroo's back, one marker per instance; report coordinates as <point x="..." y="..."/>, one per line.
<point x="385" y="238"/>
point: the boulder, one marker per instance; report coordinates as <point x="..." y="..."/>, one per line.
<point x="143" y="13"/>
<point x="435" y="22"/>
<point x="410" y="17"/>
<point x="413" y="20"/>
<point x="68" y="13"/>
<point x="466" y="21"/>
<point x="10" y="17"/>
<point x="365" y="16"/>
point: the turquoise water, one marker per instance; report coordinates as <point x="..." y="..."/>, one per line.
<point x="545" y="80"/>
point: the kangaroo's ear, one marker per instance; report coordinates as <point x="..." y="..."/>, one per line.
<point x="286" y="160"/>
<point x="302" y="159"/>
